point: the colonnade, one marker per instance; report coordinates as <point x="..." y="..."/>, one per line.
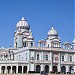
<point x="23" y="69"/>
<point x="55" y="69"/>
<point x="13" y="69"/>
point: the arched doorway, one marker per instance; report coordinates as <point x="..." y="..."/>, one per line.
<point x="71" y="70"/>
<point x="25" y="69"/>
<point x="38" y="69"/>
<point x="3" y="69"/>
<point x="55" y="69"/>
<point x="8" y="69"/>
<point x="19" y="69"/>
<point x="63" y="70"/>
<point x="14" y="69"/>
<point x="47" y="69"/>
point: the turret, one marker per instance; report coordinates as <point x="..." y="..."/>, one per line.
<point x="53" y="40"/>
<point x="18" y="39"/>
<point x="23" y="36"/>
<point x="67" y="46"/>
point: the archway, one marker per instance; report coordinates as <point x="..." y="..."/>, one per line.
<point x="55" y="69"/>
<point x="14" y="69"/>
<point x="63" y="70"/>
<point x="38" y="69"/>
<point x="19" y="69"/>
<point x="8" y="69"/>
<point x="71" y="70"/>
<point x="47" y="69"/>
<point x="3" y="69"/>
<point x="25" y="69"/>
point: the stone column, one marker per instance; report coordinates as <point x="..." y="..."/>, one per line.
<point x="28" y="68"/>
<point x="59" y="62"/>
<point x="51" y="62"/>
<point x="74" y="69"/>
<point x="42" y="65"/>
<point x="22" y="69"/>
<point x="74" y="62"/>
<point x="67" y="69"/>
<point x="11" y="69"/>
<point x="3" y="57"/>
<point x="67" y="60"/>
<point x="5" y="69"/>
<point x="17" y="68"/>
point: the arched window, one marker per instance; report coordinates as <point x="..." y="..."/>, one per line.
<point x="38" y="69"/>
<point x="16" y="44"/>
<point x="47" y="69"/>
<point x="48" y="45"/>
<point x="24" y="44"/>
<point x="31" y="43"/>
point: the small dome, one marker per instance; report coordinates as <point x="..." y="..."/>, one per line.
<point x="52" y="32"/>
<point x="66" y="43"/>
<point x="22" y="24"/>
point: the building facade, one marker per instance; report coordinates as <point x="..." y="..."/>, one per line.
<point x="50" y="56"/>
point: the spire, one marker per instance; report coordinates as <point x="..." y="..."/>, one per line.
<point x="52" y="28"/>
<point x="22" y="18"/>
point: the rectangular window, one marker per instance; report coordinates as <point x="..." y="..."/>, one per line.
<point x="37" y="56"/>
<point x="70" y="58"/>
<point x="46" y="57"/>
<point x="62" y="57"/>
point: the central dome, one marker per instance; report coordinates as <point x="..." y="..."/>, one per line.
<point x="23" y="24"/>
<point x="52" y="32"/>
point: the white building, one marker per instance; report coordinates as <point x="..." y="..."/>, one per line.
<point x="50" y="56"/>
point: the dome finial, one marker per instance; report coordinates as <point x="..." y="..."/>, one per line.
<point x="22" y="18"/>
<point x="52" y="32"/>
<point x="52" y="28"/>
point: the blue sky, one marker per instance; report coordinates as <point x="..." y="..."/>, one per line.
<point x="40" y="14"/>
